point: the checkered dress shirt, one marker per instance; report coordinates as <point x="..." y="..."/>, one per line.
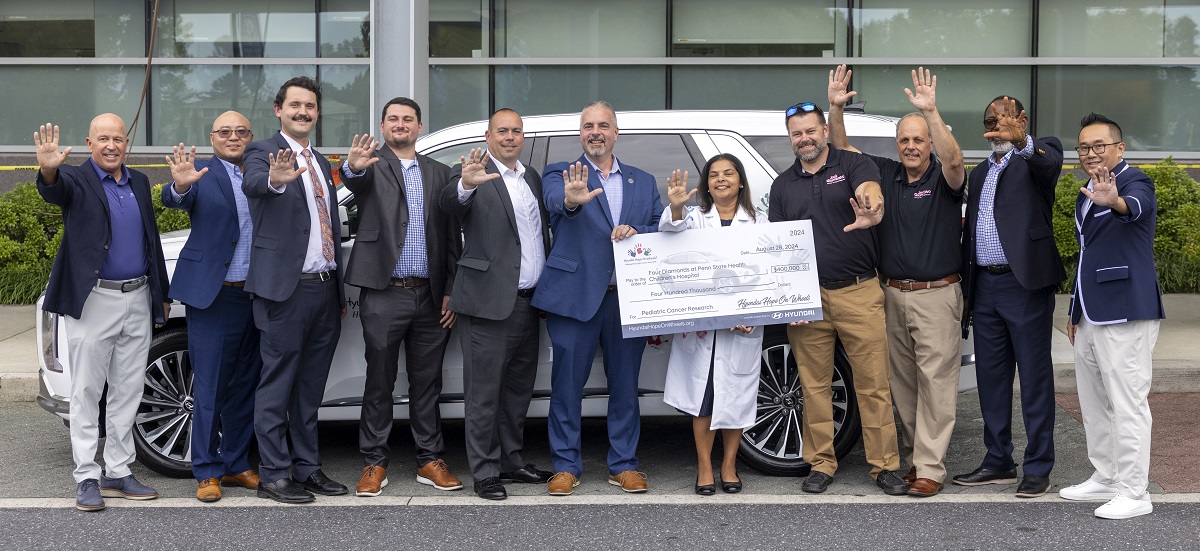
<point x="988" y="251"/>
<point x="414" y="258"/>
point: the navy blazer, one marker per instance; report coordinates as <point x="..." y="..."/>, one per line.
<point x="204" y="261"/>
<point x="281" y="223"/>
<point x="581" y="263"/>
<point x="1022" y="208"/>
<point x="1116" y="281"/>
<point x="88" y="234"/>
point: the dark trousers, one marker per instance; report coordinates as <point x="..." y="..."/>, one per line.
<point x="390" y="317"/>
<point x="298" y="337"/>
<point x="223" y="346"/>
<point x="1014" y="324"/>
<point x="574" y="350"/>
<point x="500" y="360"/>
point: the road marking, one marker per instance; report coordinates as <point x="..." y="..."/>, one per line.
<point x="516" y="501"/>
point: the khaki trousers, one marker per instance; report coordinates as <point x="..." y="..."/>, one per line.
<point x="925" y="351"/>
<point x="855" y="314"/>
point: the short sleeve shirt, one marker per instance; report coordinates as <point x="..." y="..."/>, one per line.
<point x="824" y="198"/>
<point x="921" y="233"/>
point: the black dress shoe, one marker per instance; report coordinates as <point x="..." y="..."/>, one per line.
<point x="318" y="483"/>
<point x="284" y="491"/>
<point x="490" y="488"/>
<point x="892" y="483"/>
<point x="1033" y="486"/>
<point x="528" y="474"/>
<point x="705" y="489"/>
<point x="731" y="487"/>
<point x="983" y="475"/>
<point x="817" y="482"/>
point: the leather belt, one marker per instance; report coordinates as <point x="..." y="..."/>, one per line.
<point x="526" y="293"/>
<point x="323" y="276"/>
<point x="843" y="283"/>
<point x="408" y="282"/>
<point x="236" y="283"/>
<point x="124" y="286"/>
<point x="997" y="268"/>
<point x="906" y="285"/>
<point x="611" y="288"/>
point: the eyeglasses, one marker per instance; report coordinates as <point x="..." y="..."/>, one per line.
<point x="224" y="133"/>
<point x="806" y="107"/>
<point x="991" y="123"/>
<point x="1098" y="148"/>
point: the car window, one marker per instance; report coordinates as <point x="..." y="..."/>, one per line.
<point x="450" y="155"/>
<point x="658" y="154"/>
<point x="777" y="150"/>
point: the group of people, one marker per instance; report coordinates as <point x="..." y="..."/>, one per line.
<point x="490" y="244"/>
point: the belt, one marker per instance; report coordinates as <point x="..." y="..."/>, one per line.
<point x="611" y="288"/>
<point x="843" y="283"/>
<point x="906" y="285"/>
<point x="997" y="268"/>
<point x="323" y="276"/>
<point x="237" y="283"/>
<point x="123" y="286"/>
<point x="408" y="282"/>
<point x="526" y="293"/>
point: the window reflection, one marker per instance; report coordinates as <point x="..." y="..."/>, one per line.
<point x="70" y="28"/>
<point x="110" y="88"/>
<point x="932" y="28"/>
<point x="758" y="28"/>
<point x="262" y="28"/>
<point x="524" y="87"/>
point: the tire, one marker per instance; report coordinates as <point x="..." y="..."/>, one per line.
<point x="163" y="427"/>
<point x="772" y="446"/>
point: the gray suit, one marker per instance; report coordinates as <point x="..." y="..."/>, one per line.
<point x="498" y="329"/>
<point x="392" y="313"/>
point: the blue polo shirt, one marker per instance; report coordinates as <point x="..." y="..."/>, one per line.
<point x="127" y="249"/>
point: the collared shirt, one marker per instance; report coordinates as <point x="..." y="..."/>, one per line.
<point x="239" y="266"/>
<point x="614" y="188"/>
<point x="314" y="258"/>
<point x="126" y="257"/>
<point x="988" y="250"/>
<point x="529" y="221"/>
<point x="921" y="233"/>
<point x="414" y="257"/>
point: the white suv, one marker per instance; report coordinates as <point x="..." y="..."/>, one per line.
<point x="655" y="141"/>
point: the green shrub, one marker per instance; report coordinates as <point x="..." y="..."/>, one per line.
<point x="168" y="219"/>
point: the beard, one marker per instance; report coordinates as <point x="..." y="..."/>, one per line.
<point x="1001" y="147"/>
<point x="818" y="149"/>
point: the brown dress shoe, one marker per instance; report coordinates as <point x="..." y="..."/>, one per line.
<point x="562" y="484"/>
<point x="630" y="481"/>
<point x="911" y="476"/>
<point x="924" y="487"/>
<point x="246" y="479"/>
<point x="437" y="474"/>
<point x="209" y="490"/>
<point x="374" y="478"/>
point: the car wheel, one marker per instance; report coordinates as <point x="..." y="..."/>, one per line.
<point x="773" y="445"/>
<point x="163" y="427"/>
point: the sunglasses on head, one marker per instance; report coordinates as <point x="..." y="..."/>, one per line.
<point x="806" y="107"/>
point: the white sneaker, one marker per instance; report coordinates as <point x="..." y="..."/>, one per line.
<point x="1122" y="507"/>
<point x="1089" y="490"/>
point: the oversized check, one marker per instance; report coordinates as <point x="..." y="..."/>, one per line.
<point x="717" y="278"/>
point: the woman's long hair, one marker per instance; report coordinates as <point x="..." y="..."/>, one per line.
<point x="744" y="201"/>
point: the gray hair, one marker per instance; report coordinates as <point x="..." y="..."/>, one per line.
<point x="919" y="115"/>
<point x="600" y="103"/>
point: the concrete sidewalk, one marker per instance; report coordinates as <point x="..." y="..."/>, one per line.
<point x="1176" y="356"/>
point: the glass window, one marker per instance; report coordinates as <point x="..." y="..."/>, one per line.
<point x="657" y="154"/>
<point x="262" y="28"/>
<point x="60" y="101"/>
<point x="457" y="94"/>
<point x="1105" y="28"/>
<point x="747" y="87"/>
<point x="1158" y="108"/>
<point x="937" y="28"/>
<point x="345" y="102"/>
<point x="754" y="28"/>
<point x="450" y="155"/>
<point x="71" y="28"/>
<point x="552" y="28"/>
<point x="456" y="29"/>
<point x="541" y="89"/>
<point x="345" y="28"/>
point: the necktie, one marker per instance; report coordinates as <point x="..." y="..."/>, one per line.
<point x="318" y="184"/>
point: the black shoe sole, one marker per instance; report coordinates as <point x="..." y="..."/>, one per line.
<point x="1028" y="495"/>
<point x="986" y="482"/>
<point x="507" y="480"/>
<point x="895" y="491"/>
<point x="731" y="487"/>
<point x="493" y="497"/>
<point x="284" y="499"/>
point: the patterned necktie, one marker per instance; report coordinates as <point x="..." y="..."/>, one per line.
<point x="322" y="209"/>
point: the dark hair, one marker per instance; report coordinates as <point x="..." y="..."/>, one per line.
<point x="1097" y="118"/>
<point x="744" y="201"/>
<point x="306" y="83"/>
<point x="400" y="101"/>
<point x="998" y="98"/>
<point x="816" y="109"/>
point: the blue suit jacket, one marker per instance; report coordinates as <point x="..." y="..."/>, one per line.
<point x="204" y="261"/>
<point x="580" y="263"/>
<point x="1117" y="281"/>
<point x="88" y="233"/>
<point x="281" y="223"/>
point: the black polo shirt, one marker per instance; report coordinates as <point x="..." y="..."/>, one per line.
<point x="921" y="233"/>
<point x="824" y="198"/>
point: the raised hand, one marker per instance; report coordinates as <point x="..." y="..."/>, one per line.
<point x="1008" y="123"/>
<point x="183" y="168"/>
<point x="575" y="188"/>
<point x="48" y="156"/>
<point x="925" y="96"/>
<point x="283" y="168"/>
<point x="362" y="153"/>
<point x="865" y="214"/>
<point x="839" y="86"/>
<point x="474" y="169"/>
<point x="1104" y="188"/>
<point x="678" y="194"/>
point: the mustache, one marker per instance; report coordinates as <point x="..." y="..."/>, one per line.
<point x="302" y="118"/>
<point x="599" y="137"/>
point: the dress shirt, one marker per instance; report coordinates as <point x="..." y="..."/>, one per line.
<point x="614" y="189"/>
<point x="240" y="264"/>
<point x="314" y="258"/>
<point x="126" y="257"/>
<point x="988" y="250"/>
<point x="414" y="257"/>
<point x="529" y="221"/>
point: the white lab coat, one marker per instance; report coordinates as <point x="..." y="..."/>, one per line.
<point x="736" y="368"/>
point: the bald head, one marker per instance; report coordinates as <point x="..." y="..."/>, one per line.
<point x="230" y="134"/>
<point x="107" y="143"/>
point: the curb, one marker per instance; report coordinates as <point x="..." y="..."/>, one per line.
<point x="18" y="387"/>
